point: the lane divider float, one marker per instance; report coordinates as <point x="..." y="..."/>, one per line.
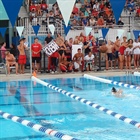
<point x="111" y="82"/>
<point x="136" y="73"/>
<point x="89" y="103"/>
<point x="37" y="127"/>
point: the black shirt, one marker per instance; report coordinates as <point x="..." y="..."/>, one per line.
<point x="87" y="50"/>
<point x="14" y="51"/>
<point x="48" y="39"/>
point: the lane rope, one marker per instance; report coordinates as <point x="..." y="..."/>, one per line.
<point x="136" y="74"/>
<point x="111" y="82"/>
<point x="37" y="127"/>
<point x="89" y="103"/>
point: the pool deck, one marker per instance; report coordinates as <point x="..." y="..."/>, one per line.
<point x="27" y="76"/>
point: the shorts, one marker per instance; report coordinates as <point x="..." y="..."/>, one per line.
<point x="116" y="54"/>
<point x="110" y="57"/>
<point x="36" y="59"/>
<point x="76" y="65"/>
<point x="89" y="64"/>
<point x="22" y="59"/>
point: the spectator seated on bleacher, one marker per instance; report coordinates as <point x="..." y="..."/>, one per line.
<point x="78" y="4"/>
<point x="138" y="12"/>
<point x="75" y="10"/>
<point x="92" y="2"/>
<point x="101" y="6"/>
<point x="44" y="6"/>
<point x="32" y="7"/>
<point x="94" y="13"/>
<point x="85" y="21"/>
<point x="131" y="5"/>
<point x="38" y="9"/>
<point x="92" y="21"/>
<point x="100" y="22"/>
<point x="32" y="15"/>
<point x="50" y="17"/>
<point x="108" y="11"/>
<point x="96" y="6"/>
<point x="83" y="9"/>
<point x="74" y="24"/>
<point x="110" y="22"/>
<point x="120" y="23"/>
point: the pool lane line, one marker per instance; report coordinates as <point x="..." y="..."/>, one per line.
<point x="111" y="82"/>
<point x="89" y="103"/>
<point x="36" y="127"/>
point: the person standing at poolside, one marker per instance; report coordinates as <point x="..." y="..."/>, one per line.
<point x="136" y="52"/>
<point x="22" y="57"/>
<point x="109" y="55"/>
<point x="116" y="47"/>
<point x="36" y="48"/>
<point x="121" y="52"/>
<point x="48" y="39"/>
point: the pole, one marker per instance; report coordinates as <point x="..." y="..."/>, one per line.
<point x="30" y="49"/>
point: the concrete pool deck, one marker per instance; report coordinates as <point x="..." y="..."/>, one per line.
<point x="27" y="76"/>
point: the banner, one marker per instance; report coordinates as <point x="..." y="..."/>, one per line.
<point x="36" y="29"/>
<point x="12" y="8"/>
<point x="66" y="29"/>
<point x="87" y="30"/>
<point x="50" y="48"/>
<point x="104" y="32"/>
<point x="3" y="30"/>
<point x="117" y="7"/>
<point x="136" y="33"/>
<point x="52" y="28"/>
<point x="66" y="7"/>
<point x="20" y="30"/>
<point x="120" y="32"/>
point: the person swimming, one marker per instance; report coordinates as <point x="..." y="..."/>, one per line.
<point x="116" y="92"/>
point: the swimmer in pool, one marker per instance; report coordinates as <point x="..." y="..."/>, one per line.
<point x="116" y="92"/>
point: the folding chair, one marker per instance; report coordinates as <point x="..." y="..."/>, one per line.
<point x="3" y="66"/>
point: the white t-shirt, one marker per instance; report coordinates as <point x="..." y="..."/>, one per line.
<point x="137" y="50"/>
<point x="129" y="50"/>
<point x="87" y="58"/>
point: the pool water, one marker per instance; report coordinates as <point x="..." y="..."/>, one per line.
<point x="41" y="105"/>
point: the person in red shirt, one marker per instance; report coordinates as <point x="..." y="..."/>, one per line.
<point x="36" y="48"/>
<point x="44" y="6"/>
<point x="75" y="10"/>
<point x="138" y="12"/>
<point x="32" y="7"/>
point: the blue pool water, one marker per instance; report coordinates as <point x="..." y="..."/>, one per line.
<point x="41" y="105"/>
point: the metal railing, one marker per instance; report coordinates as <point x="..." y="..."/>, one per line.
<point x="129" y="24"/>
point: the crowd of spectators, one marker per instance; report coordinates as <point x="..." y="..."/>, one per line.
<point x="122" y="54"/>
<point x="90" y="13"/>
<point x="133" y="6"/>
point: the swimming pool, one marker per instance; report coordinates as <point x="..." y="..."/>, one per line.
<point x="41" y="105"/>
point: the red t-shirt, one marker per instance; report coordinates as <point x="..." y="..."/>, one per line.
<point x="32" y="7"/>
<point x="75" y="10"/>
<point x="138" y="11"/>
<point x="36" y="48"/>
<point x="55" y="54"/>
<point x="44" y="6"/>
